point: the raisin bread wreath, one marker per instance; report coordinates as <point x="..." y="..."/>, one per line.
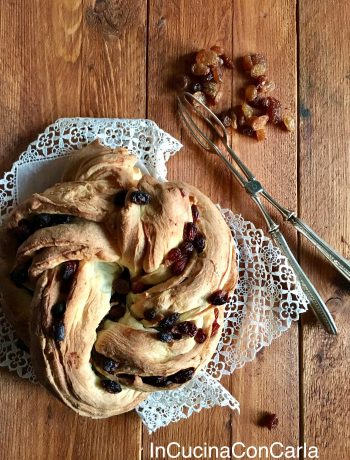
<point x="116" y="281"/>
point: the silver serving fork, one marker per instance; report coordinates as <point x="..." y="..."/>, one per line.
<point x="254" y="188"/>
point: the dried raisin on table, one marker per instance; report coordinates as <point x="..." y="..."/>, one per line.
<point x="261" y="134"/>
<point x="225" y="120"/>
<point x="274" y="111"/>
<point x="258" y="58"/>
<point x="228" y="63"/>
<point x="257" y="70"/>
<point x="196" y="86"/>
<point x="201" y="99"/>
<point x="207" y="78"/>
<point x="207" y="57"/>
<point x="288" y="122"/>
<point x="247" y="62"/>
<point x="200" y="69"/>
<point x="272" y="107"/>
<point x="255" y="64"/>
<point x="219" y="50"/>
<point x="182" y="82"/>
<point x="247" y="110"/>
<point x="251" y="92"/>
<point x="264" y="85"/>
<point x="246" y="130"/>
<point x="232" y="114"/>
<point x="217" y="74"/>
<point x="258" y="123"/>
<point x="212" y="91"/>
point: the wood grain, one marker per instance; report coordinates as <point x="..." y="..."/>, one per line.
<point x="55" y="64"/>
<point x="114" y="59"/>
<point x="172" y="34"/>
<point x="324" y="107"/>
<point x="270" y="383"/>
<point x="113" y="80"/>
<point x="275" y="375"/>
<point x="40" y="66"/>
<point x="40" y="69"/>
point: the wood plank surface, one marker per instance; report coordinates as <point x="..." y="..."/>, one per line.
<point x="324" y="106"/>
<point x="114" y="58"/>
<point x="172" y="35"/>
<point x="65" y="58"/>
<point x="270" y="383"/>
<point x="40" y="70"/>
<point x="113" y="81"/>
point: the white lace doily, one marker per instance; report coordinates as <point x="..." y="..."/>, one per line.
<point x="267" y="299"/>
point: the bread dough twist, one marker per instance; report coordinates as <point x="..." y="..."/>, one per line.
<point x="115" y="280"/>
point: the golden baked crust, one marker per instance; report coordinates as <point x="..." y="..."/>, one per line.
<point x="98" y="347"/>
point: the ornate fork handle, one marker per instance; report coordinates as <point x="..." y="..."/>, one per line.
<point x="317" y="305"/>
<point x="339" y="262"/>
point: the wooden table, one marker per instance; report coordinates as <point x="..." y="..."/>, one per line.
<point x="65" y="58"/>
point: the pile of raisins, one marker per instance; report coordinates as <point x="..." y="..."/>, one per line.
<point x="205" y="75"/>
<point x="204" y="79"/>
<point x="251" y="117"/>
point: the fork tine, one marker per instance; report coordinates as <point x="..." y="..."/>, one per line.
<point x="193" y="128"/>
<point x="223" y="135"/>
